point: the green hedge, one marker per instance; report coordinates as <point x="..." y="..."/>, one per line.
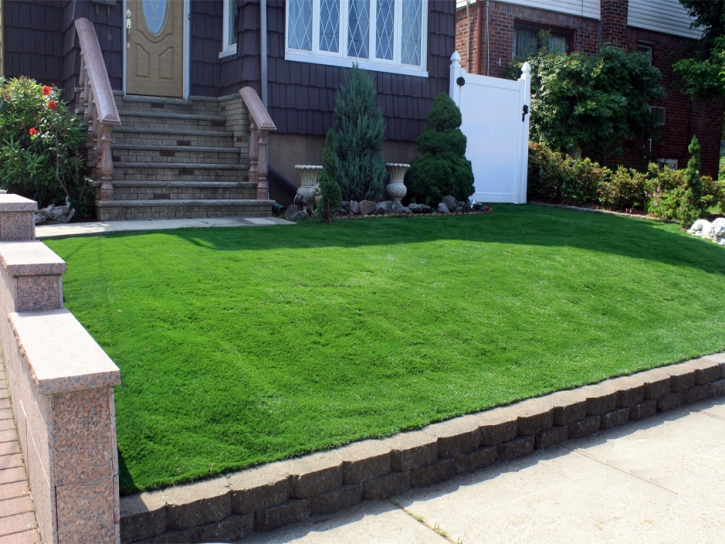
<point x="556" y="177"/>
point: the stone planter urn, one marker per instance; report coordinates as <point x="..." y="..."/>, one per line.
<point x="308" y="175"/>
<point x="396" y="189"/>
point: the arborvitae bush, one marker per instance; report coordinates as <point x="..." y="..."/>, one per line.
<point x="442" y="169"/>
<point x="359" y="138"/>
<point x="329" y="188"/>
<point x="690" y="205"/>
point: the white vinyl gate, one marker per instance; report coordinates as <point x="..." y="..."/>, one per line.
<point x="496" y="124"/>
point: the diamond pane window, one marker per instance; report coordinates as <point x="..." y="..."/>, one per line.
<point x="300" y="25"/>
<point x="330" y="25"/>
<point x="412" y="31"/>
<point x="358" y="37"/>
<point x="385" y="33"/>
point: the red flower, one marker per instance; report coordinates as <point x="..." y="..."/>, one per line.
<point x="46" y="90"/>
<point x="33" y="132"/>
<point x="52" y="105"/>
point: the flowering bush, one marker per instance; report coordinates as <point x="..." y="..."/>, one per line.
<point x="40" y="141"/>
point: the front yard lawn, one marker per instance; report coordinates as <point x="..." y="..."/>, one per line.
<point x="239" y="346"/>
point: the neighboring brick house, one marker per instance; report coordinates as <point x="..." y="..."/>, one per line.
<point x="489" y="33"/>
<point x="308" y="48"/>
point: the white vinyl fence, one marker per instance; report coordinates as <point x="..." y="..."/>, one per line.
<point x="496" y="123"/>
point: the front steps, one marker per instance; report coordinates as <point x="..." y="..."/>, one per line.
<point x="180" y="159"/>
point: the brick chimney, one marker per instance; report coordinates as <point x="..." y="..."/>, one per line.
<point x="613" y="24"/>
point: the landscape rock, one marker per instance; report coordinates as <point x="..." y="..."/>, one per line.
<point x="415" y="208"/>
<point x="407" y="211"/>
<point x="340" y="211"/>
<point x="345" y="205"/>
<point x="426" y="209"/>
<point x="290" y="211"/>
<point x="354" y="207"/>
<point x="397" y="207"/>
<point x="442" y="208"/>
<point x="367" y="207"/>
<point x="465" y="206"/>
<point x="384" y="207"/>
<point x="458" y="209"/>
<point x="299" y="216"/>
<point x="450" y="202"/>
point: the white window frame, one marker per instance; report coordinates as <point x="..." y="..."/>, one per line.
<point x="340" y="58"/>
<point x="228" y="49"/>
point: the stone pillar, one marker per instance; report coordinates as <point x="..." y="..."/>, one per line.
<point x="17" y="219"/>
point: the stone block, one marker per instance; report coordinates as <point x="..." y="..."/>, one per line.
<point x="258" y="488"/>
<point x="364" y="461"/>
<point x="630" y="390"/>
<point x="143" y="516"/>
<point x="601" y="398"/>
<point x="456" y="436"/>
<point x="569" y="406"/>
<point x="716" y="389"/>
<point x="535" y="415"/>
<point x="550" y="437"/>
<point x="84" y="511"/>
<point x="314" y="474"/>
<point x="412" y="450"/>
<point x="615" y="418"/>
<point x="444" y="469"/>
<point x="338" y="499"/>
<point x="289" y="512"/>
<point x="476" y="460"/>
<point x="707" y="370"/>
<point x="231" y="529"/>
<point x="694" y="394"/>
<point x="584" y="427"/>
<point x="17" y="226"/>
<point x="386" y="486"/>
<point x="641" y="410"/>
<point x="681" y="377"/>
<point x="497" y="426"/>
<point x="657" y="384"/>
<point x="198" y="503"/>
<point x="518" y="447"/>
<point x="39" y="293"/>
<point x="669" y="402"/>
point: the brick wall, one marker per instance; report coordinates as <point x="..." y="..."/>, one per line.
<point x="614" y="21"/>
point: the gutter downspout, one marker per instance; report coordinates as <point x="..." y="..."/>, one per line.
<point x="263" y="47"/>
<point x="478" y="40"/>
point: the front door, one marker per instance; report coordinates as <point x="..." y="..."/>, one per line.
<point x="154" y="50"/>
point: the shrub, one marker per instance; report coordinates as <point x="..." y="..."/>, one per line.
<point x="692" y="199"/>
<point x="329" y="188"/>
<point x="624" y="189"/>
<point x="556" y="177"/>
<point x="40" y="141"/>
<point x="442" y="169"/>
<point x="359" y="138"/>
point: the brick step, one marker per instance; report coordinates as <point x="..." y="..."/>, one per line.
<point x="180" y="155"/>
<point x="149" y="171"/>
<point x="160" y="137"/>
<point x="192" y="148"/>
<point x="124" y="210"/>
<point x="183" y="190"/>
<point x="174" y="122"/>
<point x="155" y="104"/>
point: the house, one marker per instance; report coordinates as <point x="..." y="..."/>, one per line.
<point x="489" y="33"/>
<point x="179" y="65"/>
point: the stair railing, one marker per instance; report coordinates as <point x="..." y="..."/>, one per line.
<point x="99" y="107"/>
<point x="260" y="125"/>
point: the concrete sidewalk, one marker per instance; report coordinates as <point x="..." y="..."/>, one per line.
<point x="63" y="230"/>
<point x="661" y="479"/>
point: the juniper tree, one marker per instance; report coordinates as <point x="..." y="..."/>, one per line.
<point x="690" y="205"/>
<point x="359" y="138"/>
<point x="329" y="188"/>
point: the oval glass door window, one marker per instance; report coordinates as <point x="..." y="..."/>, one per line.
<point x="154" y="15"/>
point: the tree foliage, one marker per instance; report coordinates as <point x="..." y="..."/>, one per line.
<point x="329" y="188"/>
<point x="592" y="102"/>
<point x="702" y="73"/>
<point x="690" y="211"/>
<point x="359" y="138"/>
<point x="442" y="169"/>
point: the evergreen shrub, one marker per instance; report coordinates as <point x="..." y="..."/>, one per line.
<point x="40" y="142"/>
<point x="691" y="200"/>
<point x="442" y="169"/>
<point x="359" y="138"/>
<point x="329" y="188"/>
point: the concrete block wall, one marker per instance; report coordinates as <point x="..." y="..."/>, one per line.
<point x="61" y="383"/>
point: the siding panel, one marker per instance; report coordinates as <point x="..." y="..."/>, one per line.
<point x="666" y="16"/>
<point x="582" y="8"/>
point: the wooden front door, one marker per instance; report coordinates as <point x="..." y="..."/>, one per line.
<point x="154" y="54"/>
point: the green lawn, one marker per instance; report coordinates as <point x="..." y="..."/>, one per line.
<point x="241" y="346"/>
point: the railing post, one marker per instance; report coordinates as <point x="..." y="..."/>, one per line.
<point x="260" y="125"/>
<point x="253" y="151"/>
<point x="105" y="164"/>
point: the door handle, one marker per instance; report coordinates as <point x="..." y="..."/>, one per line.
<point x="128" y="29"/>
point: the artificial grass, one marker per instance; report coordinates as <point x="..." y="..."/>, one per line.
<point x="246" y="345"/>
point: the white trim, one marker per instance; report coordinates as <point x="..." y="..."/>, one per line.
<point x="340" y="58"/>
<point x="187" y="50"/>
<point x="228" y="49"/>
<point x="125" y="46"/>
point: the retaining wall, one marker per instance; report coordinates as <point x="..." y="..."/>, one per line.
<point x="61" y="383"/>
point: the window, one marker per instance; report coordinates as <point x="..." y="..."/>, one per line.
<point x="646" y="48"/>
<point x="527" y="41"/>
<point x="381" y="35"/>
<point x="229" y="29"/>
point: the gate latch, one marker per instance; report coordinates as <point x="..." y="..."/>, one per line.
<point x="526" y="110"/>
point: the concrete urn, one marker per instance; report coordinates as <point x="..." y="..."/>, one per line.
<point x="308" y="176"/>
<point x="396" y="188"/>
